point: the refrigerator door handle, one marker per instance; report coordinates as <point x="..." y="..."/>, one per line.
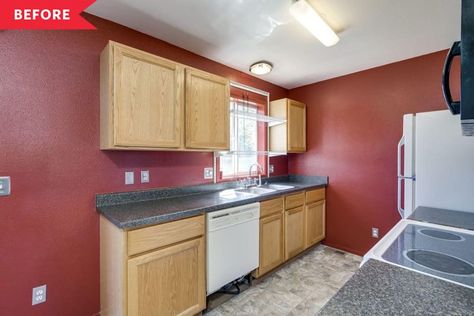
<point x="453" y="106"/>
<point x="399" y="156"/>
<point x="399" y="197"/>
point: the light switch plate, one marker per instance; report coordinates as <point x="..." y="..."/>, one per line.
<point x="5" y="186"/>
<point x="129" y="177"/>
<point x="145" y="176"/>
<point x="208" y="173"/>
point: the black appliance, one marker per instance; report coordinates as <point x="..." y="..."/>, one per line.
<point x="464" y="49"/>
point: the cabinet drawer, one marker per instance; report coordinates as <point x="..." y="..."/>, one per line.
<point x="271" y="206"/>
<point x="161" y="235"/>
<point x="294" y="200"/>
<point x="315" y="195"/>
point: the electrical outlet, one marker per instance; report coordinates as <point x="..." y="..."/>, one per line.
<point x="129" y="177"/>
<point x="271" y="168"/>
<point x="39" y="295"/>
<point x="208" y="173"/>
<point x="5" y="186"/>
<point x="145" y="176"/>
<point x="375" y="232"/>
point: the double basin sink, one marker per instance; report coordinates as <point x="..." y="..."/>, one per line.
<point x="253" y="191"/>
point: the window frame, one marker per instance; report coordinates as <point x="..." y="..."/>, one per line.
<point x="239" y="175"/>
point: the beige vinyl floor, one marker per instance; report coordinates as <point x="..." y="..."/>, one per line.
<point x="300" y="288"/>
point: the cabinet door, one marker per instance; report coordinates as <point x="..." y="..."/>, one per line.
<point x="296" y="126"/>
<point x="315" y="222"/>
<point x="271" y="243"/>
<point x="294" y="232"/>
<point x="207" y="110"/>
<point x="170" y="281"/>
<point x="148" y="94"/>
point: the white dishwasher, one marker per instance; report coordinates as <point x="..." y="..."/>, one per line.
<point x="232" y="244"/>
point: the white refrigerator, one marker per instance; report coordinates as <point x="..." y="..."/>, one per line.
<point x="435" y="164"/>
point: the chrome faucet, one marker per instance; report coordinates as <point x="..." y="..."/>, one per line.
<point x="259" y="172"/>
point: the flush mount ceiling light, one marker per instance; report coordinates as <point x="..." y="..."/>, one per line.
<point x="302" y="11"/>
<point x="261" y="68"/>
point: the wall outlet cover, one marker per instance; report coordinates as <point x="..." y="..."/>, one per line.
<point x="271" y="168"/>
<point x="375" y="232"/>
<point x="145" y="176"/>
<point x="5" y="186"/>
<point x="39" y="295"/>
<point x="208" y="173"/>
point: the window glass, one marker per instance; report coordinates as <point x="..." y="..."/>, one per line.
<point x="248" y="140"/>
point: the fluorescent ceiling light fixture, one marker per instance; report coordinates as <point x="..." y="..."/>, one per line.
<point x="261" y="68"/>
<point x="302" y="11"/>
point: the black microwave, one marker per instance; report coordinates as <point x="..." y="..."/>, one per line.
<point x="464" y="49"/>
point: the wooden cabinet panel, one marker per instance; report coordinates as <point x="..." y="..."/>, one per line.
<point x="152" y="103"/>
<point x="271" y="243"/>
<point x="290" y="136"/>
<point x="294" y="232"/>
<point x="146" y="107"/>
<point x="294" y="200"/>
<point x="315" y="195"/>
<point x="271" y="206"/>
<point x="278" y="134"/>
<point x="207" y="110"/>
<point x="315" y="222"/>
<point x="169" y="281"/>
<point x="296" y="126"/>
<point x="144" y="239"/>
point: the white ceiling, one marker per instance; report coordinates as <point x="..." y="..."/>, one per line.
<point x="240" y="32"/>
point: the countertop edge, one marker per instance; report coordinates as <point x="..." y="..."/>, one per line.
<point x="182" y="214"/>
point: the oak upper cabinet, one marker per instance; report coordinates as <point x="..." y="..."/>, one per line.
<point x="271" y="236"/>
<point x="154" y="271"/>
<point x="290" y="136"/>
<point x="142" y="100"/>
<point x="152" y="103"/>
<point x="207" y="111"/>
<point x="315" y="210"/>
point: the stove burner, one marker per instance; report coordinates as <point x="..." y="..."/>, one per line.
<point x="440" y="234"/>
<point x="440" y="262"/>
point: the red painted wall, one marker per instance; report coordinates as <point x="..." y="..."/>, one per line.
<point x="49" y="145"/>
<point x="354" y="124"/>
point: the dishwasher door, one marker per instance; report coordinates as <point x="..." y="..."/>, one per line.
<point x="232" y="244"/>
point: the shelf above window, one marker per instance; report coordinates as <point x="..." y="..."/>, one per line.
<point x="249" y="153"/>
<point x="272" y="121"/>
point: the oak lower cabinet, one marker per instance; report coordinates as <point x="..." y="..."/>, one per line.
<point x="271" y="236"/>
<point x="291" y="136"/>
<point x="315" y="223"/>
<point x="157" y="270"/>
<point x="294" y="232"/>
<point x="315" y="212"/>
<point x="152" y="103"/>
<point x="288" y="226"/>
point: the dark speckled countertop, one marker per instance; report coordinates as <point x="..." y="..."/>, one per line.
<point x="131" y="210"/>
<point x="380" y="288"/>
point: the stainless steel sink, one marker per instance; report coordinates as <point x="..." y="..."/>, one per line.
<point x="256" y="190"/>
<point x="235" y="194"/>
<point x="280" y="186"/>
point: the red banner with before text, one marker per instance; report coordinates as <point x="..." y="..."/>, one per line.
<point x="44" y="15"/>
